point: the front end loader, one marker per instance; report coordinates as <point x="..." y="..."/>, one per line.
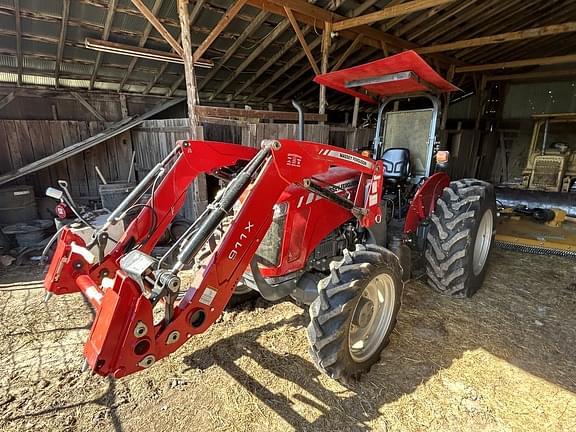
<point x="334" y="229"/>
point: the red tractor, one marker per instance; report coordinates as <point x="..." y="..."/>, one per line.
<point x="332" y="228"/>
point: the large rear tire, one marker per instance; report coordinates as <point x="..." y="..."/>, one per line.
<point x="461" y="237"/>
<point x="355" y="312"/>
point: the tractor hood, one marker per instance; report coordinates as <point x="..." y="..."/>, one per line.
<point x="402" y="73"/>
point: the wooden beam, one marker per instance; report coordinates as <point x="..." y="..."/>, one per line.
<point x="325" y="49"/>
<point x="191" y="93"/>
<point x="7" y="99"/>
<point x="388" y="12"/>
<point x="310" y="14"/>
<point x="348" y="52"/>
<point x="438" y="20"/>
<point x="571" y="58"/>
<point x="302" y="40"/>
<point x="124" y="106"/>
<point x="89" y="107"/>
<point x="291" y="63"/>
<point x="251" y="28"/>
<point x="105" y="34"/>
<point x="19" y="59"/>
<point x="231" y="12"/>
<point x="271" y="62"/>
<point x="141" y="43"/>
<point x="277" y="31"/>
<point x="533" y="75"/>
<point x="61" y="40"/>
<point x="158" y="26"/>
<point x="355" y="112"/>
<point x="501" y="38"/>
<point x="224" y="112"/>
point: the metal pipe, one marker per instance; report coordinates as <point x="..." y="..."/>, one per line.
<point x="545" y="137"/>
<point x="300" y="119"/>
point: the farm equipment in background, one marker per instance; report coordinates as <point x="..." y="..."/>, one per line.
<point x="330" y="227"/>
<point x="551" y="163"/>
<point x="536" y="218"/>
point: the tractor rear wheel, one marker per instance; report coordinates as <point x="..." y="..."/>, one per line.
<point x="460" y="237"/>
<point x="355" y="312"/>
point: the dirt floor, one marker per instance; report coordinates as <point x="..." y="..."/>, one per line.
<point x="504" y="360"/>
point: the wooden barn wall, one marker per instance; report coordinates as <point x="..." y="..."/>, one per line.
<point x="24" y="141"/>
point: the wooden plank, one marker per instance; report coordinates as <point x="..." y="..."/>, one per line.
<point x="113" y="130"/>
<point x="326" y="40"/>
<point x="231" y="12"/>
<point x="87" y="105"/>
<point x="105" y="35"/>
<point x="224" y="112"/>
<point x="501" y="38"/>
<point x="275" y="33"/>
<point x="388" y="12"/>
<point x="271" y="62"/>
<point x="57" y="139"/>
<point x="59" y="170"/>
<point x="13" y="143"/>
<point x="251" y="28"/>
<point x="302" y="40"/>
<point x="89" y="157"/>
<point x="6" y="161"/>
<point x="19" y="59"/>
<point x="191" y="93"/>
<point x="78" y="183"/>
<point x="61" y="40"/>
<point x="284" y="69"/>
<point x="7" y="99"/>
<point x="158" y="26"/>
<point x="41" y="147"/>
<point x="348" y="52"/>
<point x="143" y="38"/>
<point x="571" y="58"/>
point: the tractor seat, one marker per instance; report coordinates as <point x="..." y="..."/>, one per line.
<point x="396" y="165"/>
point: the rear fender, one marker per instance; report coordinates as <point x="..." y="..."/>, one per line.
<point x="424" y="201"/>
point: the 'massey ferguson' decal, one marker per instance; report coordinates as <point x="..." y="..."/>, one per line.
<point x="346" y="156"/>
<point x="338" y="187"/>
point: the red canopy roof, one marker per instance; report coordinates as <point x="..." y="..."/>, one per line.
<point x="422" y="78"/>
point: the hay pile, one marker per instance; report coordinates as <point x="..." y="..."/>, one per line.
<point x="504" y="360"/>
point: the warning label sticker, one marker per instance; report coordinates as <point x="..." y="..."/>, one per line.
<point x="208" y="296"/>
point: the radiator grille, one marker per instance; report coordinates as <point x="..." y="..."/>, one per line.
<point x="547" y="173"/>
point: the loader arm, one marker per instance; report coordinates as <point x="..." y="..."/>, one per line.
<point x="125" y="285"/>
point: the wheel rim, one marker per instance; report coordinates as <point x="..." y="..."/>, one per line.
<point x="371" y="318"/>
<point x="482" y="242"/>
<point x="241" y="289"/>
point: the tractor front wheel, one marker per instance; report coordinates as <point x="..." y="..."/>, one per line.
<point x="460" y="237"/>
<point x="355" y="312"/>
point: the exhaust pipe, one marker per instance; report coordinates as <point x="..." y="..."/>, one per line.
<point x="300" y="119"/>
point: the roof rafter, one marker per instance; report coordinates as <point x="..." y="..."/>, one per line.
<point x="105" y="35"/>
<point x="158" y="26"/>
<point x="302" y="40"/>
<point x="277" y="31"/>
<point x="231" y="12"/>
<point x="501" y="38"/>
<point x="18" y="40"/>
<point x="252" y="27"/>
<point x="61" y="40"/>
<point x="141" y="43"/>
<point x="388" y="12"/>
